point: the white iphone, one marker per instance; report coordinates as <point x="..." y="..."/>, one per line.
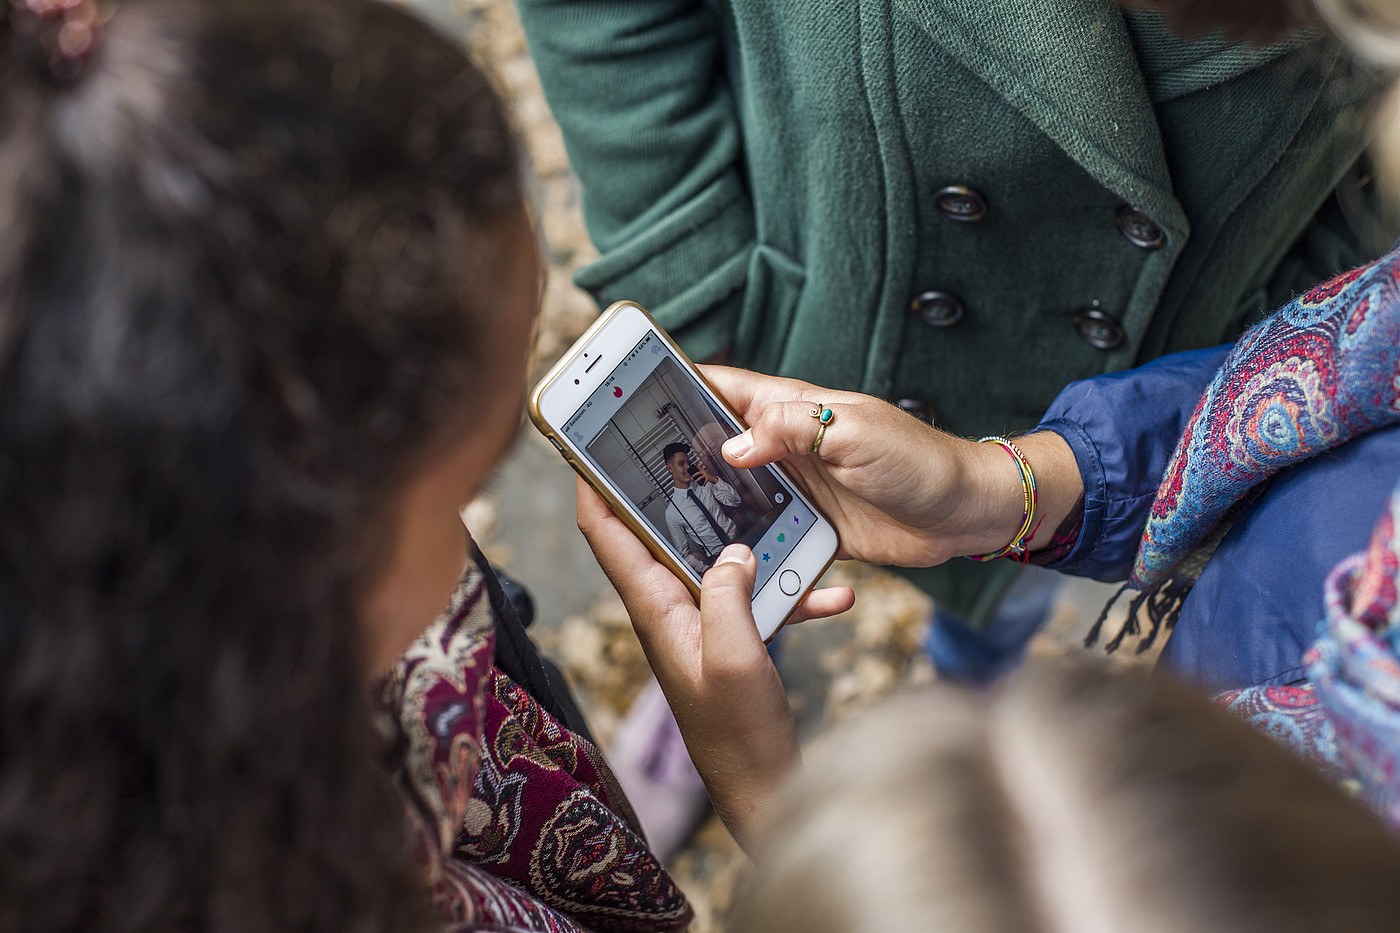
<point x="636" y="419"/>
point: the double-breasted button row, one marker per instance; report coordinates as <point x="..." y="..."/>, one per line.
<point x="965" y="205"/>
<point x="1095" y="327"/>
<point x="944" y="309"/>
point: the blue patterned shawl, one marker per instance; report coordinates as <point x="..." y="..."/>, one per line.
<point x="1324" y="369"/>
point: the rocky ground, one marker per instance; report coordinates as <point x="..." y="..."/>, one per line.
<point x="525" y="518"/>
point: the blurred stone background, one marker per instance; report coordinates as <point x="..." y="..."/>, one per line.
<point x="525" y="518"/>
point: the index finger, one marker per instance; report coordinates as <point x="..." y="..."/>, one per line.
<point x="621" y="554"/>
<point x="750" y="393"/>
<point x="747" y="391"/>
<point x="606" y="532"/>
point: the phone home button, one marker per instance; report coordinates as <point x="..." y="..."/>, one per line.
<point x="789" y="582"/>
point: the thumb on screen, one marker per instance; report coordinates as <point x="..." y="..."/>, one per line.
<point x="728" y="631"/>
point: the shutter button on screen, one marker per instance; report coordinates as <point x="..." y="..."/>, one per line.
<point x="789" y="582"/>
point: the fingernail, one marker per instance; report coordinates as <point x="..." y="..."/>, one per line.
<point x="739" y="445"/>
<point x="733" y="554"/>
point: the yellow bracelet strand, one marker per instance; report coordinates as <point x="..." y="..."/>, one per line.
<point x="1017" y="547"/>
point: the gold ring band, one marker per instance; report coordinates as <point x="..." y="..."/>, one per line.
<point x="824" y="416"/>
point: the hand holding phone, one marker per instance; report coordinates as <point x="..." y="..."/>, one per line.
<point x="710" y="661"/>
<point x="639" y="423"/>
<point x="907" y="494"/>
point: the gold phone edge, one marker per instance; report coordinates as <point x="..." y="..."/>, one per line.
<point x="599" y="486"/>
<point x="581" y="467"/>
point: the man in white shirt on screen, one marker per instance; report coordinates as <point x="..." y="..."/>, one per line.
<point x="695" y="520"/>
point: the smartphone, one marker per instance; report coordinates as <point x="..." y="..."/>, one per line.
<point x="636" y="419"/>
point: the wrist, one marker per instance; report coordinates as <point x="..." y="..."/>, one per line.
<point x="744" y="809"/>
<point x="992" y="506"/>
<point x="1057" y="480"/>
<point x="743" y="772"/>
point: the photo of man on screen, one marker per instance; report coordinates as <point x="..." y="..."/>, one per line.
<point x="696" y="521"/>
<point x="653" y="433"/>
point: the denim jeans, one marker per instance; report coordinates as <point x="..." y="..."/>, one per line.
<point x="964" y="654"/>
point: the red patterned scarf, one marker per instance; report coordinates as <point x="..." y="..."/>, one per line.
<point x="523" y="826"/>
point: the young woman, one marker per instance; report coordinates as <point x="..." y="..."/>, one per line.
<point x="267" y="286"/>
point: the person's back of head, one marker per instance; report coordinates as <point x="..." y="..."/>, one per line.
<point x="1068" y="801"/>
<point x="243" y="249"/>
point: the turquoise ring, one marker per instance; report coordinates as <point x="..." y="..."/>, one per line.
<point x="824" y="417"/>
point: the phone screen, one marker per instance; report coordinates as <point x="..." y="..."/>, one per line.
<point x="651" y="430"/>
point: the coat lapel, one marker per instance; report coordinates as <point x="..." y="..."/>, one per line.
<point x="1176" y="67"/>
<point x="1069" y="66"/>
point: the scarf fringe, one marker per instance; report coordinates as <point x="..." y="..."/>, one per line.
<point x="1163" y="602"/>
<point x="1162" y="605"/>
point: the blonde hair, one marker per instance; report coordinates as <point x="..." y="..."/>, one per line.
<point x="1372" y="28"/>
<point x="1069" y="801"/>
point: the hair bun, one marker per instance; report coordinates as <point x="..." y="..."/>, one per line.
<point x="54" y="38"/>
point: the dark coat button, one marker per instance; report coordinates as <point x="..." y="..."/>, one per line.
<point x="957" y="202"/>
<point x="918" y="408"/>
<point x="1098" y="329"/>
<point x="1139" y="228"/>
<point x="938" y="309"/>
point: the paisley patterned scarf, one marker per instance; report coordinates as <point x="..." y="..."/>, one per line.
<point x="1346" y="719"/>
<point x="1324" y="369"/>
<point x="521" y="824"/>
<point x="1314" y="375"/>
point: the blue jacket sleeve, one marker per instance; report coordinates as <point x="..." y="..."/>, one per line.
<point x="1123" y="428"/>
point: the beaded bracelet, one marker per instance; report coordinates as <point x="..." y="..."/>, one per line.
<point x="1017" y="547"/>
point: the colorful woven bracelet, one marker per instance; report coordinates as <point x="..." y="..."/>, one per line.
<point x="1017" y="547"/>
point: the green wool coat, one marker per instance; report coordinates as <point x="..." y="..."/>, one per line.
<point x="770" y="178"/>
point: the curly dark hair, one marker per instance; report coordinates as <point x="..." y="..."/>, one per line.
<point x="245" y="268"/>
